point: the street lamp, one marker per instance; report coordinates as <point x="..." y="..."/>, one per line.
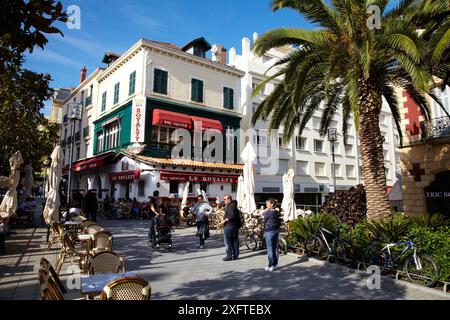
<point x="74" y="114"/>
<point x="332" y="137"/>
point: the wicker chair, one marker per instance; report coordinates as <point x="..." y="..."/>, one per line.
<point x="47" y="267"/>
<point x="102" y="241"/>
<point x="68" y="251"/>
<point x="129" y="288"/>
<point x="106" y="262"/>
<point x="49" y="289"/>
<point x="86" y="223"/>
<point x="56" y="231"/>
<point x="93" y="229"/>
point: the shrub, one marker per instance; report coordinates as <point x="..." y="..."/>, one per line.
<point x="431" y="221"/>
<point x="390" y="230"/>
<point x="303" y="228"/>
<point x="349" y="206"/>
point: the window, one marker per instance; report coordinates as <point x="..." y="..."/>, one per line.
<point x="112" y="136"/>
<point x="338" y="170"/>
<point x="255" y="84"/>
<point x="228" y="98"/>
<point x="319" y="169"/>
<point x="234" y="187"/>
<point x="197" y="90"/>
<point x="65" y="134"/>
<point x="280" y="143"/>
<point x="116" y="92"/>
<point x="173" y="187"/>
<point x="318" y="145"/>
<point x="316" y="123"/>
<point x="162" y="134"/>
<point x="160" y="81"/>
<point x="104" y="101"/>
<point x="254" y="106"/>
<point x="78" y="153"/>
<point x="266" y="58"/>
<point x="300" y="143"/>
<point x="333" y="124"/>
<point x="82" y="98"/>
<point x="260" y="138"/>
<point x="349" y="150"/>
<point x="302" y="167"/>
<point x="350" y="171"/>
<point x="132" y="88"/>
<point x="141" y="188"/>
<point x="100" y="141"/>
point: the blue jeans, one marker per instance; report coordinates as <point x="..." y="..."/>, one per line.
<point x="272" y="244"/>
<point x="231" y="240"/>
<point x="151" y="230"/>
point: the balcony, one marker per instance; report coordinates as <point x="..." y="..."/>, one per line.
<point x="159" y="150"/>
<point x="435" y="128"/>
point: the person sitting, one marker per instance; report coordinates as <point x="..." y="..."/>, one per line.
<point x="136" y="209"/>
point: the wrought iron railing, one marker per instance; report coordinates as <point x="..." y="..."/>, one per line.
<point x="436" y="128"/>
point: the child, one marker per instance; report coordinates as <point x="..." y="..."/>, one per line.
<point x="3" y="232"/>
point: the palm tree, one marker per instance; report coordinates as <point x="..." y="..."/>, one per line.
<point x="344" y="64"/>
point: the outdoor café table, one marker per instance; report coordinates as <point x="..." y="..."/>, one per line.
<point x="94" y="284"/>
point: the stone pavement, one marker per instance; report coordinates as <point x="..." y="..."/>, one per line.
<point x="187" y="272"/>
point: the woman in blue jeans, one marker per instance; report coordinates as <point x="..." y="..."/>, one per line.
<point x="272" y="220"/>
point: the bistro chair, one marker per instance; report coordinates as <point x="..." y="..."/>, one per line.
<point x="92" y="229"/>
<point x="129" y="288"/>
<point x="56" y="231"/>
<point x="68" y="251"/>
<point x="86" y="223"/>
<point x="106" y="262"/>
<point x="102" y="241"/>
<point x="47" y="267"/>
<point x="49" y="289"/>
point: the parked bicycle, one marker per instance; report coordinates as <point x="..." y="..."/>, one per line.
<point x="328" y="244"/>
<point x="255" y="240"/>
<point x="419" y="268"/>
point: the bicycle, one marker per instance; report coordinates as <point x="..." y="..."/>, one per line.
<point x="328" y="243"/>
<point x="256" y="240"/>
<point x="419" y="268"/>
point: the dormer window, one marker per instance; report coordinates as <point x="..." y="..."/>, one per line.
<point x="197" y="47"/>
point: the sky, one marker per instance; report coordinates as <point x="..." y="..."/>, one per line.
<point x="115" y="25"/>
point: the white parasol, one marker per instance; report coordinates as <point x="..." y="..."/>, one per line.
<point x="51" y="209"/>
<point x="8" y="206"/>
<point x="248" y="155"/>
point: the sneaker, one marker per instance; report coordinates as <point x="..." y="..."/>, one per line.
<point x="271" y="269"/>
<point x="201" y="247"/>
<point x="267" y="268"/>
<point x="227" y="259"/>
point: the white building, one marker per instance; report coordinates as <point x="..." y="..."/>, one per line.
<point x="309" y="155"/>
<point x="142" y="97"/>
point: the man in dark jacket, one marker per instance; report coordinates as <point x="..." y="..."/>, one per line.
<point x="91" y="206"/>
<point x="231" y="225"/>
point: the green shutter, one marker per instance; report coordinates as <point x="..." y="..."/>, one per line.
<point x="164" y="77"/>
<point x="104" y="101"/>
<point x="194" y="90"/>
<point x="200" y="91"/>
<point x="231" y="99"/>
<point x="132" y="83"/>
<point x="156" y="81"/>
<point x="228" y="102"/>
<point x="116" y="92"/>
<point x="225" y="97"/>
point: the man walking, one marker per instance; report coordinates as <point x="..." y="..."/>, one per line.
<point x="201" y="210"/>
<point x="231" y="223"/>
<point x="91" y="206"/>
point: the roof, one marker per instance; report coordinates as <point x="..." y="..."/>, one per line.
<point x="109" y="56"/>
<point x="198" y="41"/>
<point x="184" y="162"/>
<point x="166" y="44"/>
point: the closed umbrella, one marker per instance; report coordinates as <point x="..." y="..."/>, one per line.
<point x="240" y="191"/>
<point x="8" y="206"/>
<point x="288" y="204"/>
<point x="51" y="209"/>
<point x="249" y="155"/>
<point x="28" y="181"/>
<point x="185" y="195"/>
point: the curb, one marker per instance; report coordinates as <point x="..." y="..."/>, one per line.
<point x="361" y="272"/>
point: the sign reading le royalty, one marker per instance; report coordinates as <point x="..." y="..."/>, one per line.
<point x="138" y="121"/>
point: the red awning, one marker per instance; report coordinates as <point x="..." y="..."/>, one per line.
<point x="198" y="177"/>
<point x="208" y="123"/>
<point x="91" y="163"/>
<point x="124" y="176"/>
<point x="171" y="119"/>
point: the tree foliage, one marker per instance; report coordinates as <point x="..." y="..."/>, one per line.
<point x="23" y="92"/>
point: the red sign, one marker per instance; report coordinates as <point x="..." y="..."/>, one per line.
<point x="138" y="123"/>
<point x="198" y="177"/>
<point x="124" y="176"/>
<point x="176" y="124"/>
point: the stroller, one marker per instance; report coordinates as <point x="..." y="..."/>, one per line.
<point x="163" y="233"/>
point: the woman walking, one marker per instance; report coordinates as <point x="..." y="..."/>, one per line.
<point x="272" y="220"/>
<point x="201" y="210"/>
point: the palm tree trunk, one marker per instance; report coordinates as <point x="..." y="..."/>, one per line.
<point x="371" y="142"/>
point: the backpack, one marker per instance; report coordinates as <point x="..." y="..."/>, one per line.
<point x="240" y="222"/>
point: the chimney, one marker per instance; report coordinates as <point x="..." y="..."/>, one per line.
<point x="83" y="74"/>
<point x="223" y="56"/>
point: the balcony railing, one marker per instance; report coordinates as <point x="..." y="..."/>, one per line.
<point x="164" y="150"/>
<point x="436" y="128"/>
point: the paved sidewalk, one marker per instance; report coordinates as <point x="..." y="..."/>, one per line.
<point x="187" y="272"/>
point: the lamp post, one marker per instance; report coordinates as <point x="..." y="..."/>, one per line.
<point x="332" y="137"/>
<point x="74" y="114"/>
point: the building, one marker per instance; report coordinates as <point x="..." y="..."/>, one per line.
<point x="425" y="156"/>
<point x="59" y="96"/>
<point x="140" y="105"/>
<point x="309" y="154"/>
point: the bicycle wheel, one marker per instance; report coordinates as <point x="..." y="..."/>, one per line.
<point x="251" y="242"/>
<point x="427" y="275"/>
<point x="340" y="253"/>
<point x="381" y="260"/>
<point x="282" y="245"/>
<point x="316" y="246"/>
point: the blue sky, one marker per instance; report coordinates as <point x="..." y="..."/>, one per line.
<point x="113" y="25"/>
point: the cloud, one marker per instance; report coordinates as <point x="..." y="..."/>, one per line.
<point x="54" y="57"/>
<point x="136" y="14"/>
